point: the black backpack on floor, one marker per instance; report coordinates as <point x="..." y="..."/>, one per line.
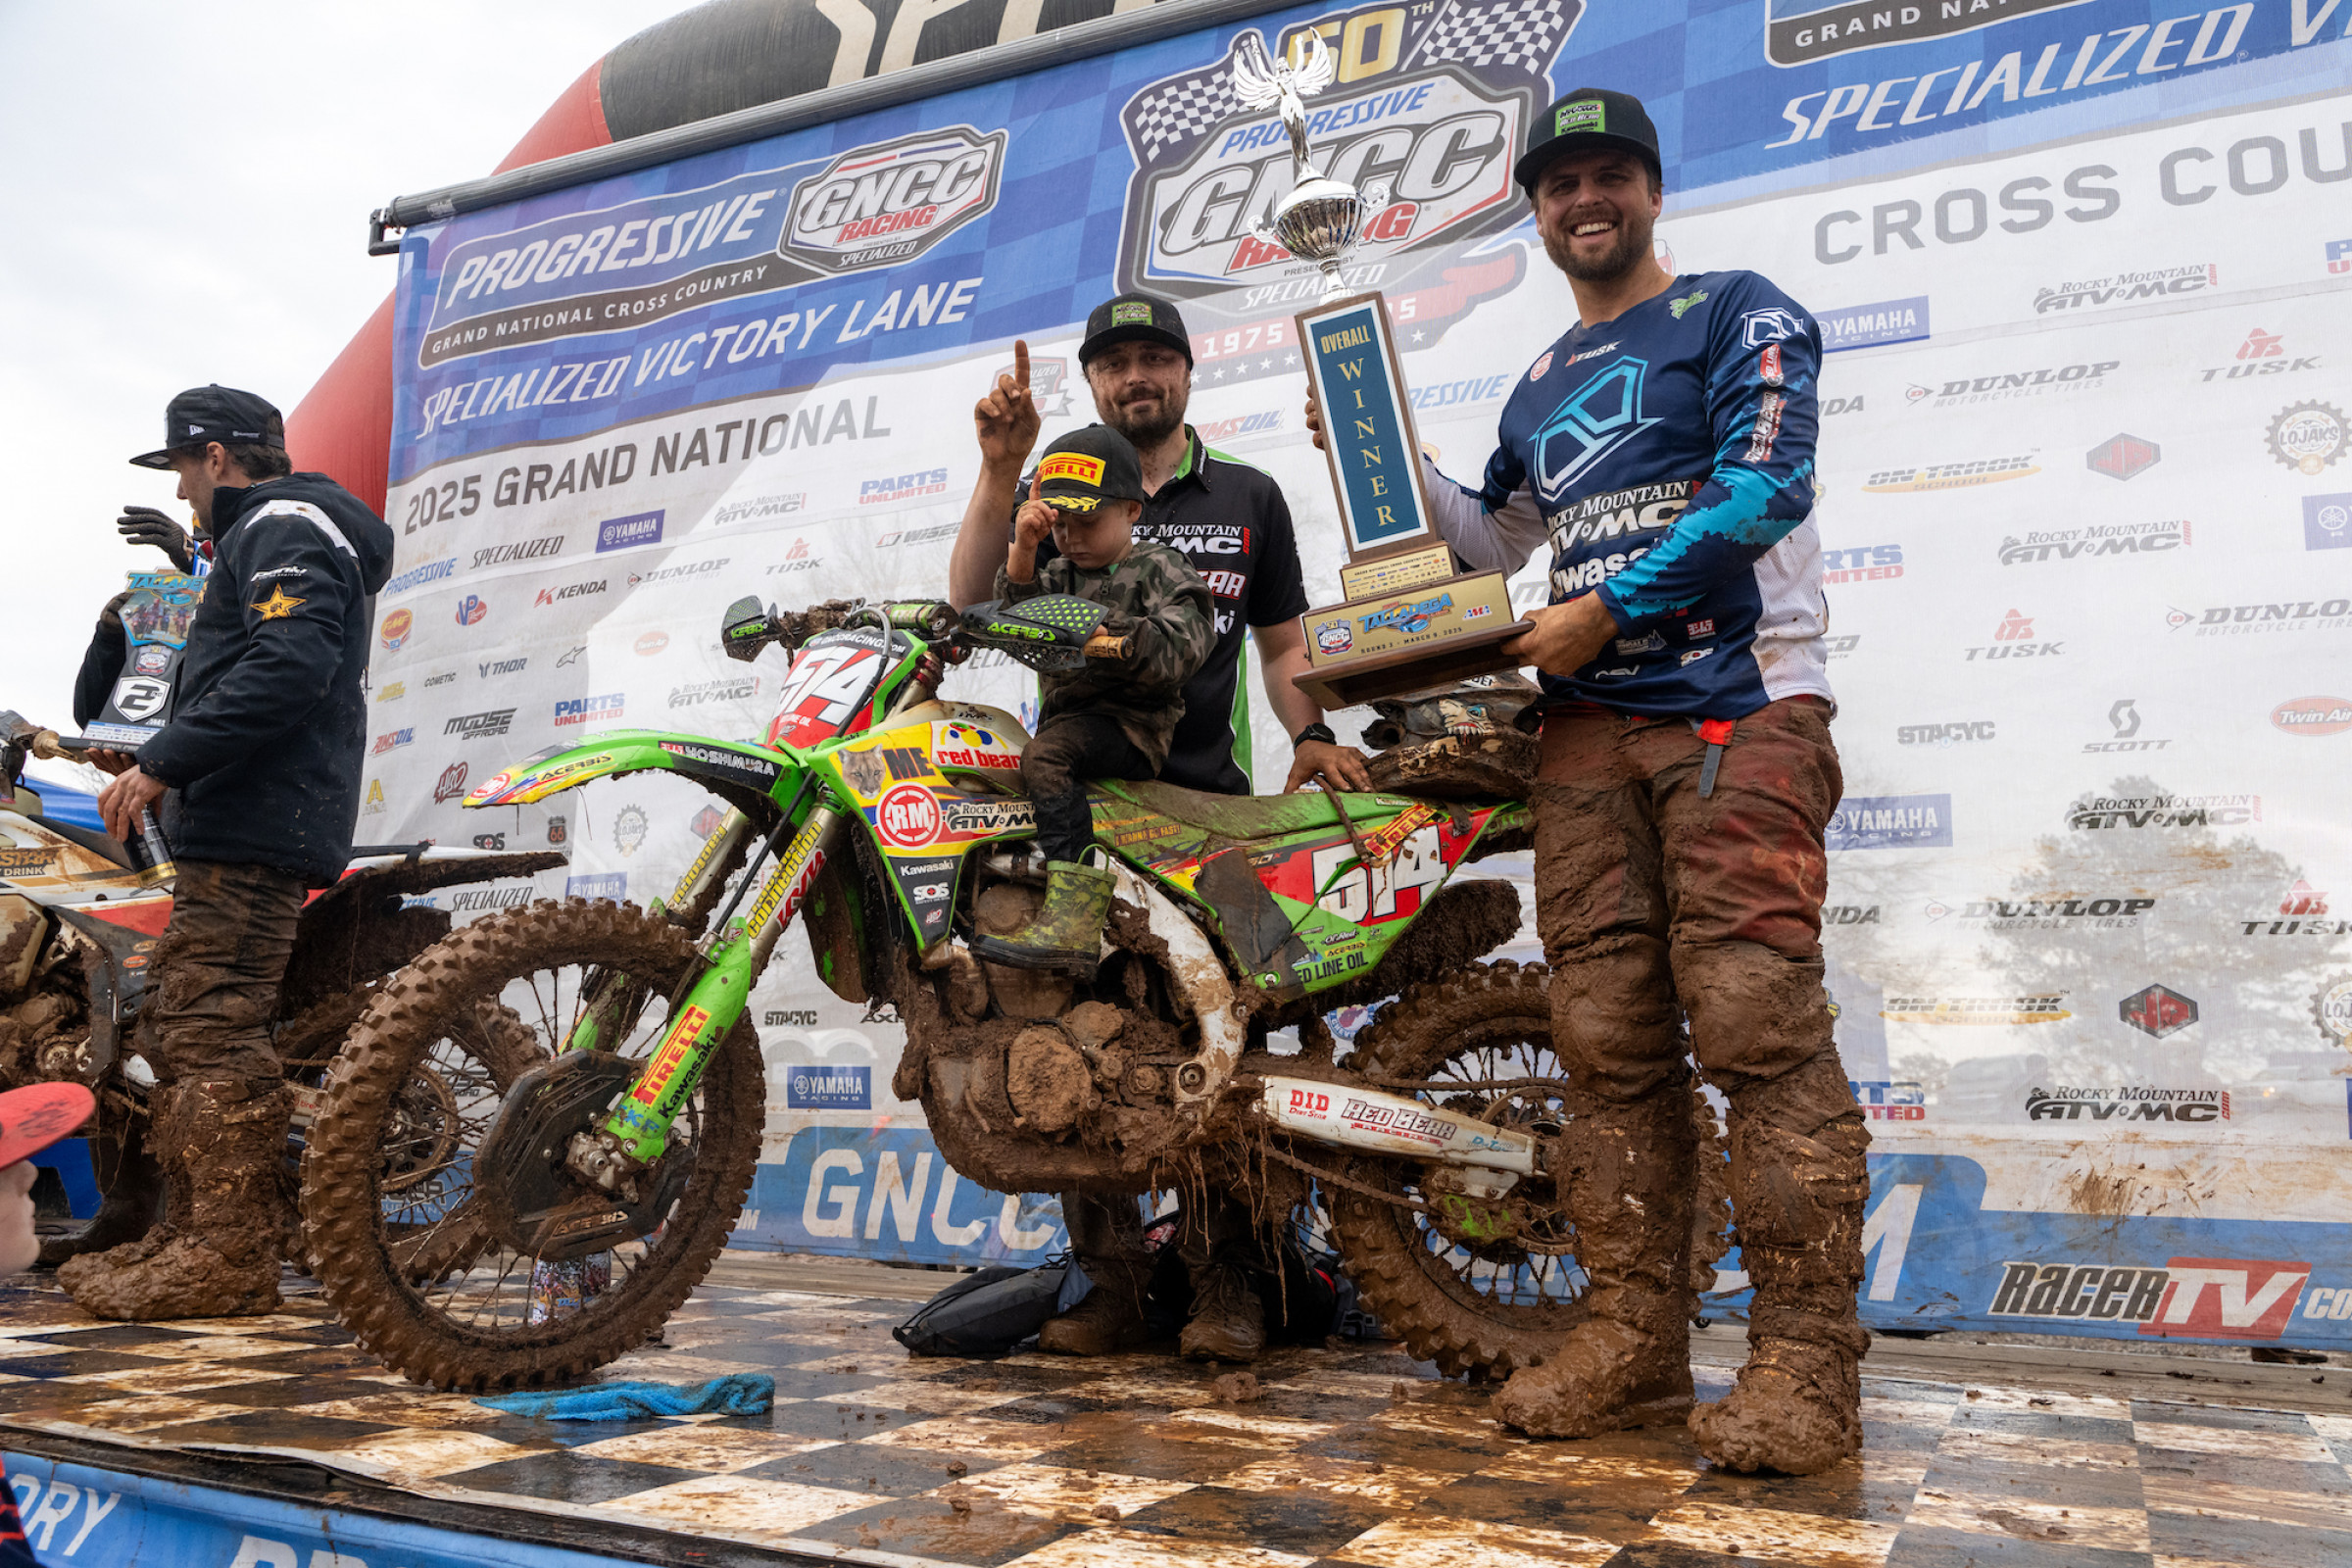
<point x="990" y="1313"/>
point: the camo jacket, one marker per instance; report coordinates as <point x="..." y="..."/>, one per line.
<point x="1154" y="596"/>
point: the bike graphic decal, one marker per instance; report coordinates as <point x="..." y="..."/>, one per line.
<point x="825" y="686"/>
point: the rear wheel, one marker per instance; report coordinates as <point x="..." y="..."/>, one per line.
<point x="401" y="1242"/>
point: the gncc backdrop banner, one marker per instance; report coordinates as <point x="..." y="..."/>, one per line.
<point x="2083" y="267"/>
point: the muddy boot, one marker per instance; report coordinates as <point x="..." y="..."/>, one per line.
<point x="1228" y="1321"/>
<point x="1066" y="934"/>
<point x="1111" y="1317"/>
<point x="227" y="1138"/>
<point x="1626" y="1173"/>
<point x="1799" y="1205"/>
<point x="133" y="1204"/>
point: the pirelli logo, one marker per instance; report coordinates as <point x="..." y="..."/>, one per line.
<point x="1071" y="466"/>
<point x="673" y="1052"/>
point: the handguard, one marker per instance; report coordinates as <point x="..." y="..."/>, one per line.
<point x="1053" y="633"/>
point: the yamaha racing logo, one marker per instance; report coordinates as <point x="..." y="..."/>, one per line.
<point x="1430" y="107"/>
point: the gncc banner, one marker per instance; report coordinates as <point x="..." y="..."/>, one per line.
<point x="2084" y="269"/>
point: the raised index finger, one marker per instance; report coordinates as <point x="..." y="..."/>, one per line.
<point x="1020" y="362"/>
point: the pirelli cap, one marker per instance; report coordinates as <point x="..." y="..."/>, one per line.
<point x="1134" y="319"/>
<point x="203" y="414"/>
<point x="1588" y="120"/>
<point x="1089" y="467"/>
<point x="33" y="1117"/>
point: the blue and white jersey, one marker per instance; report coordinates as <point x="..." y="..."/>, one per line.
<point x="1666" y="459"/>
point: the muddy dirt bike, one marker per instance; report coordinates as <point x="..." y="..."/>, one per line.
<point x="81" y="916"/>
<point x="891" y="826"/>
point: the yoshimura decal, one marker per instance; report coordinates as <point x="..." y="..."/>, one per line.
<point x="1428" y="112"/>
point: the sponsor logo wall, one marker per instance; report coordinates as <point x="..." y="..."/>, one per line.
<point x="2083" y="499"/>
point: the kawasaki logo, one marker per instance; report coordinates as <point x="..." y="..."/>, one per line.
<point x="889" y="202"/>
<point x="1590" y="423"/>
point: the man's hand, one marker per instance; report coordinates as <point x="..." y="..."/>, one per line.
<point x="1566" y="637"/>
<point x="1006" y="420"/>
<point x="144" y="525"/>
<point x="1314" y="421"/>
<point x="116" y="762"/>
<point x="120" y="801"/>
<point x="1339" y="767"/>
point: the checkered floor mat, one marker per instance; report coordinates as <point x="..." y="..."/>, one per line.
<point x="1350" y="1456"/>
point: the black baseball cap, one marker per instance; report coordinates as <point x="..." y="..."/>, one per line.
<point x="1134" y="319"/>
<point x="1588" y="120"/>
<point x="203" y="414"/>
<point x="1089" y="467"/>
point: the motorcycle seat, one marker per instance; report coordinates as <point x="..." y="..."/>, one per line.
<point x="1252" y="816"/>
<point x="95" y="842"/>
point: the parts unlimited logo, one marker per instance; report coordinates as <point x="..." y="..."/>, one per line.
<point x="1430" y="105"/>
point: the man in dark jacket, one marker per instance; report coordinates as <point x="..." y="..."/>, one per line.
<point x="264" y="749"/>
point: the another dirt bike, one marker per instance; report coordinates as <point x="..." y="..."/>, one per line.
<point x="892" y="825"/>
<point x="80" y="920"/>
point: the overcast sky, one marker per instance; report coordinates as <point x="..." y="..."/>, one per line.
<point x="186" y="190"/>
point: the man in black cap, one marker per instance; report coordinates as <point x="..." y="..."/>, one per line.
<point x="1230" y="520"/>
<point x="261" y="754"/>
<point x="1660" y="451"/>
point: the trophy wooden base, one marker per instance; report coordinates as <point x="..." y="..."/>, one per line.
<point x="1429" y="635"/>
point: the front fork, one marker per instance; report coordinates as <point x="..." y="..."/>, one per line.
<point x="639" y="1126"/>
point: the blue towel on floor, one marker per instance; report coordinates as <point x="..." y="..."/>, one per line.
<point x="742" y="1394"/>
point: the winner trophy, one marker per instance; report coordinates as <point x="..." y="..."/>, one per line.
<point x="1407" y="620"/>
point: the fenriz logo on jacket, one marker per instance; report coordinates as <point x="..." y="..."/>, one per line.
<point x="1666" y="458"/>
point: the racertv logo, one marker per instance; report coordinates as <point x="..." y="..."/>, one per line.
<point x="2189" y="1297"/>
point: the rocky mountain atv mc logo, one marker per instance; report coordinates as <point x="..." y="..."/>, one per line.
<point x="1433" y="101"/>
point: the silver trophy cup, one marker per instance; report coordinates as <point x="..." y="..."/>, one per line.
<point x="1319" y="220"/>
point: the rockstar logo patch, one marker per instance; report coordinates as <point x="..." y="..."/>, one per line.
<point x="279" y="605"/>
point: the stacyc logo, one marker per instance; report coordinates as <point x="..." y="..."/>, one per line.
<point x="620" y="533"/>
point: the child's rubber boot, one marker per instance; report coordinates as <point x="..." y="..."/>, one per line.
<point x="1065" y="935"/>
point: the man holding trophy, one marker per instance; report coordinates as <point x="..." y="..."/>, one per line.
<point x="1661" y="452"/>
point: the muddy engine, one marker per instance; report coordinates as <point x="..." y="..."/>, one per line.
<point x="44" y="1013"/>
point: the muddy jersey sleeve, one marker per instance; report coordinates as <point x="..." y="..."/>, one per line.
<point x="1495" y="527"/>
<point x="293" y="581"/>
<point x="1173" y="622"/>
<point x="101" y="661"/>
<point x="1013" y="593"/>
<point x="1763" y="367"/>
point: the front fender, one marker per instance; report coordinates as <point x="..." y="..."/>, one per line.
<point x="744" y="775"/>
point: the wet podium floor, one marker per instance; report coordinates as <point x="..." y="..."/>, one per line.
<point x="1350" y="1455"/>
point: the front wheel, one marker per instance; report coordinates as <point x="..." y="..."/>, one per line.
<point x="436" y="1294"/>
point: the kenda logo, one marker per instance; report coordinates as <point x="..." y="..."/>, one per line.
<point x="889" y="202"/>
<point x="1590" y="423"/>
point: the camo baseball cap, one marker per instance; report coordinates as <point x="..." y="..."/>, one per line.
<point x="1089" y="467"/>
<point x="1134" y="317"/>
<point x="203" y="414"/>
<point x="1588" y="120"/>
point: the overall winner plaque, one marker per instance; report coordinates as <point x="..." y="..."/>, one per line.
<point x="1408" y="617"/>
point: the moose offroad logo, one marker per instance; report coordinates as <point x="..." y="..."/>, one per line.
<point x="1425" y="116"/>
<point x="889" y="202"/>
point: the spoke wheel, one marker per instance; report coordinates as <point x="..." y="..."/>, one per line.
<point x="395" y="1227"/>
<point x="1500" y="1292"/>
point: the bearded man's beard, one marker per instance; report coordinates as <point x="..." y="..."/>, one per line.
<point x="1147" y="430"/>
<point x="1608" y="267"/>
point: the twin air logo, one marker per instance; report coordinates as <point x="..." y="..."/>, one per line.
<point x="2189" y="1297"/>
<point x="1590" y="424"/>
<point x="1431" y="103"/>
<point x="889" y="202"/>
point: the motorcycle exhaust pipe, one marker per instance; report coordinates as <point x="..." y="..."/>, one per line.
<point x="1343" y="1116"/>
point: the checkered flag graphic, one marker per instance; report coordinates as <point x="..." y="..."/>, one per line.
<point x="1518" y="35"/>
<point x="1176" y="112"/>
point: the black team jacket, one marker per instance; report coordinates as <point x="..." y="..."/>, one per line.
<point x="268" y="727"/>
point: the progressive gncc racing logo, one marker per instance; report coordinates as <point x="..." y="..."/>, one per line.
<point x="619" y="268"/>
<point x="1433" y="103"/>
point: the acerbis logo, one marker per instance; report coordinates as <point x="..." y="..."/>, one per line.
<point x="888" y="202"/>
<point x="1590" y="424"/>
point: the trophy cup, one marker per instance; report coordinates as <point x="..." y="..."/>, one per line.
<point x="1408" y="619"/>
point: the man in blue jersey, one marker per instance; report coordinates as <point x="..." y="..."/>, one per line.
<point x="1660" y="453"/>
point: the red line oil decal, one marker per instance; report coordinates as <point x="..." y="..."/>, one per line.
<point x="672" y="1052"/>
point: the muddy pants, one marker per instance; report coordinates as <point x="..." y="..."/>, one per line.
<point x="1653" y="904"/>
<point x="220" y="964"/>
<point x="1070" y="750"/>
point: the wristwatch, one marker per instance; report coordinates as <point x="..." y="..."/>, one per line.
<point x="1315" y="732"/>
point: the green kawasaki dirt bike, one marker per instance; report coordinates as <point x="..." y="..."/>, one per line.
<point x="891" y="826"/>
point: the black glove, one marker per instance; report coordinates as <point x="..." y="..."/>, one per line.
<point x="144" y="525"/>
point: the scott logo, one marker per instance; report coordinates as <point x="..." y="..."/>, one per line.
<point x="1590" y="423"/>
<point x="889" y="202"/>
